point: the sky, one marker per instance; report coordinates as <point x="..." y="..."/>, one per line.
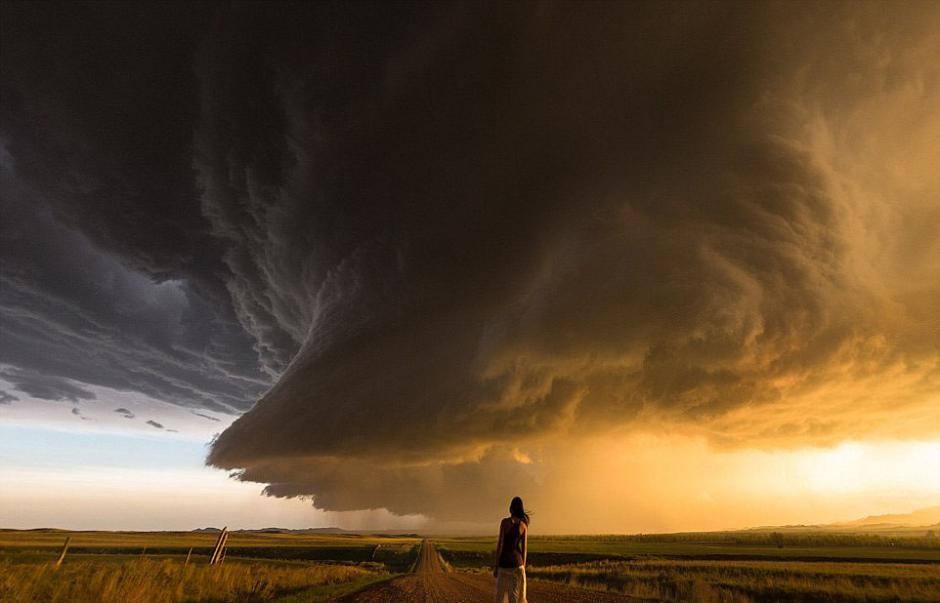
<point x="650" y="266"/>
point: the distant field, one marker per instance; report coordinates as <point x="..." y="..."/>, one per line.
<point x="16" y="538"/>
<point x="552" y="550"/>
<point x="39" y="544"/>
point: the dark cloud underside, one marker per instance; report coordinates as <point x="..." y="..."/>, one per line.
<point x="44" y="386"/>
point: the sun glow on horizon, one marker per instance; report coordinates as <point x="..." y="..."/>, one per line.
<point x="870" y="467"/>
<point x="647" y="483"/>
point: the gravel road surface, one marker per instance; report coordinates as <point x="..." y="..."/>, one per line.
<point x="432" y="583"/>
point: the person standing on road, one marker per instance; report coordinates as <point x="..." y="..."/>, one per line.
<point x="511" y="550"/>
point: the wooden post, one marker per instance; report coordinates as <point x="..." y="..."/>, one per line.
<point x="65" y="549"/>
<point x="216" y="557"/>
<point x="224" y="549"/>
<point x="188" y="555"/>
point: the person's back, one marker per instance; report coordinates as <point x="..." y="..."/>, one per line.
<point x="511" y="551"/>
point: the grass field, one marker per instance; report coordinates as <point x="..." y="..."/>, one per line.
<point x="681" y="580"/>
<point x="726" y="566"/>
<point x="145" y="579"/>
<point x="150" y="566"/>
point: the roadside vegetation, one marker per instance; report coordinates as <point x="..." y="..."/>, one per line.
<point x="159" y="581"/>
<point x="787" y="565"/>
<point x="745" y="581"/>
<point x="152" y="567"/>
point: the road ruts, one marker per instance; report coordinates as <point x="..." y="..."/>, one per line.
<point x="430" y="582"/>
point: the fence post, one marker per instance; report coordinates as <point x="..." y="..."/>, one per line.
<point x="217" y="552"/>
<point x="65" y="549"/>
<point x="188" y="555"/>
<point x="224" y="549"/>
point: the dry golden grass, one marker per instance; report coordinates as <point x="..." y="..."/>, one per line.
<point x="151" y="581"/>
<point x="745" y="581"/>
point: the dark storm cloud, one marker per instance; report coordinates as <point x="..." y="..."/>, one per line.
<point x="497" y="227"/>
<point x="72" y="311"/>
<point x="97" y="106"/>
<point x="7" y="398"/>
<point x="350" y="484"/>
<point x="43" y="386"/>
<point x="451" y="230"/>
<point x="110" y="275"/>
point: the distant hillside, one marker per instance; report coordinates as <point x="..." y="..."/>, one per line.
<point x="920" y="518"/>
<point x="919" y="523"/>
<point x="329" y="530"/>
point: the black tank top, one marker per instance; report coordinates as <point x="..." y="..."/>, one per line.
<point x="511" y="553"/>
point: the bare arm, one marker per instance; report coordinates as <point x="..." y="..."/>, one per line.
<point x="525" y="545"/>
<point x="499" y="546"/>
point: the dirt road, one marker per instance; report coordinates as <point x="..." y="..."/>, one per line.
<point x="432" y="583"/>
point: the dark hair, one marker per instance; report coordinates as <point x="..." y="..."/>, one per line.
<point x="516" y="509"/>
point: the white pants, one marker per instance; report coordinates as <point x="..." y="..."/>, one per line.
<point x="510" y="584"/>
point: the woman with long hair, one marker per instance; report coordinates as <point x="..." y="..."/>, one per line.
<point x="511" y="549"/>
